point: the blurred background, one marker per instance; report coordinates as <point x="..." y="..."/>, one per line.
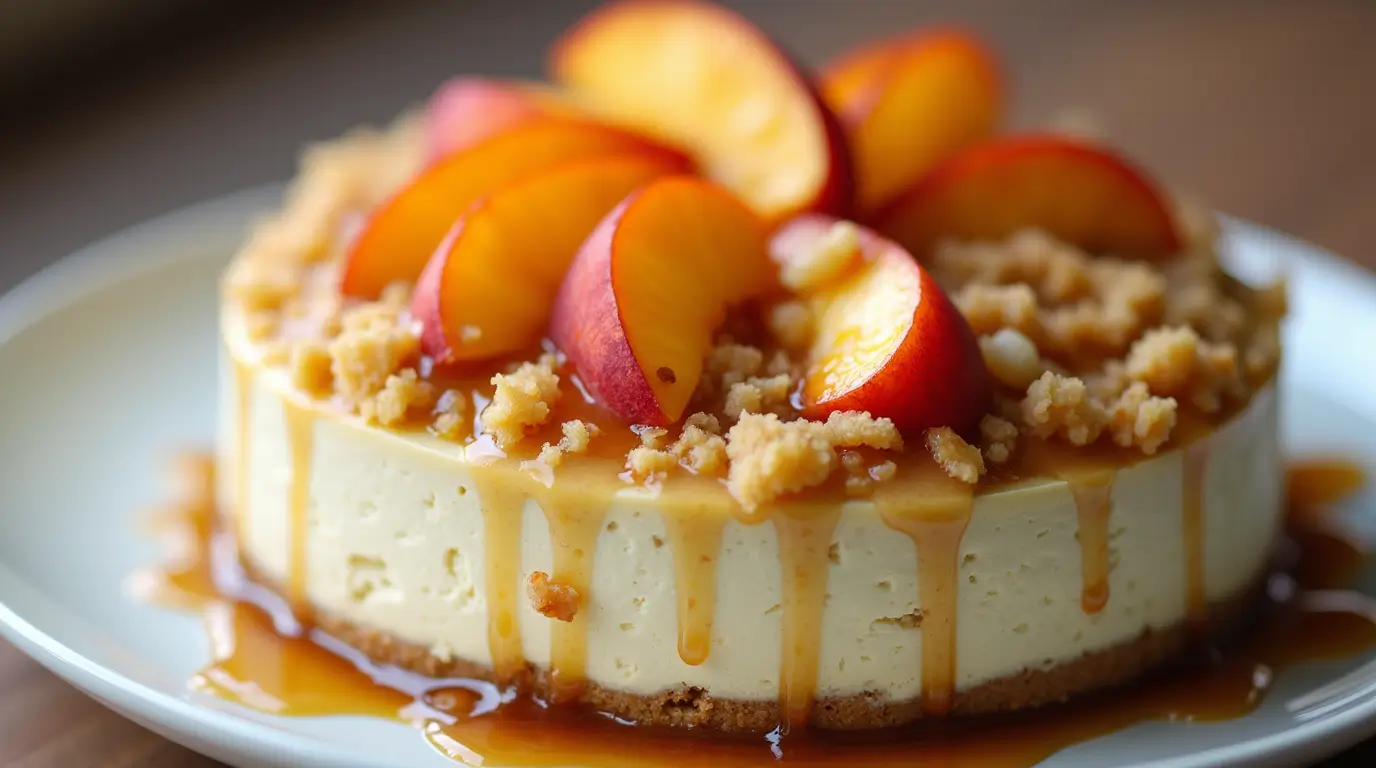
<point x="112" y="111"/>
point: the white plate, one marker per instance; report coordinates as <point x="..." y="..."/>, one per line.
<point x="107" y="365"/>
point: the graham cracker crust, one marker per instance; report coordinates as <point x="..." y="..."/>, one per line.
<point x="697" y="708"/>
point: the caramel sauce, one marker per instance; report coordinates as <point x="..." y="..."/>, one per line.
<point x="1192" y="526"/>
<point x="300" y="442"/>
<point x="804" y="548"/>
<point x="695" y="542"/>
<point x="502" y="509"/>
<point x="265" y="660"/>
<point x="574" y="526"/>
<point x="1093" y="502"/>
<point x="933" y="510"/>
<point x="243" y="394"/>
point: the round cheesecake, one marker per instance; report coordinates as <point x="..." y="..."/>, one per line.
<point x="396" y="542"/>
<point x="1070" y="476"/>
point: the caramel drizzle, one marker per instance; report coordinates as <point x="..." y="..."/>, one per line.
<point x="574" y="526"/>
<point x="243" y="393"/>
<point x="300" y="423"/>
<point x="1192" y="526"/>
<point x="502" y="509"/>
<point x="804" y="542"/>
<point x="1093" y="504"/>
<point x="933" y="510"/>
<point x="695" y="540"/>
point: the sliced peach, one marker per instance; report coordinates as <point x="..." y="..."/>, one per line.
<point x="909" y="103"/>
<point x="1081" y="193"/>
<point x="465" y="110"/>
<point x="887" y="338"/>
<point x="638" y="307"/>
<point x="488" y="289"/>
<point x="708" y="79"/>
<point x="402" y="234"/>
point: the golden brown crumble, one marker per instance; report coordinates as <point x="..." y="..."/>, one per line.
<point x="376" y="340"/>
<point x="1139" y="418"/>
<point x="450" y="413"/>
<point x="699" y="448"/>
<point x="523" y="400"/>
<point x="771" y="457"/>
<point x="552" y="599"/>
<point x="758" y="395"/>
<point x="577" y="437"/>
<point x="1061" y="405"/>
<point x="792" y="324"/>
<point x="310" y="366"/>
<point x="403" y="395"/>
<point x="999" y="437"/>
<point x="1176" y="362"/>
<point x="958" y="458"/>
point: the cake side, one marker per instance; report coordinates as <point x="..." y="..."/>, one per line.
<point x="396" y="544"/>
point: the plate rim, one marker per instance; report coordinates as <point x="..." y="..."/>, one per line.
<point x="143" y="248"/>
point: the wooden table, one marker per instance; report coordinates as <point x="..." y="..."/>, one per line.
<point x="1265" y="109"/>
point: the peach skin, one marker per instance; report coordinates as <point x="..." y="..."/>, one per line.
<point x="887" y="340"/>
<point x="910" y="103"/>
<point x="637" y="310"/>
<point x="1081" y="193"/>
<point x="467" y="109"/>
<point x="401" y="235"/>
<point x="489" y="288"/>
<point x="706" y="78"/>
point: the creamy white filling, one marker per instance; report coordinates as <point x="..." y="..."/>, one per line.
<point x="395" y="542"/>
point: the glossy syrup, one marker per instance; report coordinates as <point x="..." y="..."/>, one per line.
<point x="266" y="661"/>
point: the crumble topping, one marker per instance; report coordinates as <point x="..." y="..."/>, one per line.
<point x="522" y="401"/>
<point x="699" y="448"/>
<point x="961" y="460"/>
<point x="1082" y="347"/>
<point x="577" y="437"/>
<point x="552" y="599"/>
<point x="999" y="437"/>
<point x="771" y="457"/>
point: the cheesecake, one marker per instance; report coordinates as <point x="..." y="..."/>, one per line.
<point x="715" y="407"/>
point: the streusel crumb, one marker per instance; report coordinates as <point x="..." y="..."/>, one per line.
<point x="1175" y="362"/>
<point x="700" y="451"/>
<point x="310" y="366"/>
<point x="523" y="400"/>
<point x="758" y="395"/>
<point x="402" y="396"/>
<point x="450" y="413"/>
<point x="577" y="437"/>
<point x="991" y="308"/>
<point x="792" y="324"/>
<point x="552" y="599"/>
<point x="1139" y="418"/>
<point x="771" y="457"/>
<point x="999" y="437"/>
<point x="373" y="344"/>
<point x="958" y="458"/>
<point x="1060" y="405"/>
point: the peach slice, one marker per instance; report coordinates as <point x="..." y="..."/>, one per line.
<point x="1081" y="193"/>
<point x="887" y="339"/>
<point x="708" y="79"/>
<point x="465" y="110"/>
<point x="488" y="289"/>
<point x="636" y="311"/>
<point x="402" y="234"/>
<point x="911" y="102"/>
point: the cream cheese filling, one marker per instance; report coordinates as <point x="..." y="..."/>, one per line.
<point x="402" y="533"/>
